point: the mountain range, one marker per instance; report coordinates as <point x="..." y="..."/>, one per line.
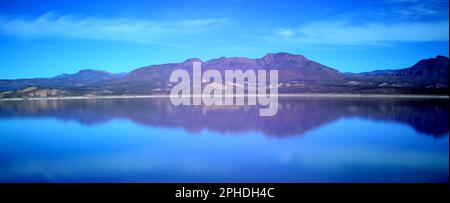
<point x="297" y="74"/>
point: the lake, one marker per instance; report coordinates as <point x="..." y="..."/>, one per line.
<point x="150" y="140"/>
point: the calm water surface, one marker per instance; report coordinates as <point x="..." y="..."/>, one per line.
<point x="149" y="140"/>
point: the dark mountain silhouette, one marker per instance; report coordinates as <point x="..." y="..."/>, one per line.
<point x="297" y="74"/>
<point x="427" y="73"/>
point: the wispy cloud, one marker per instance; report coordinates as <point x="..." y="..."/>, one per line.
<point x="119" y="29"/>
<point x="395" y="21"/>
<point x="416" y="9"/>
<point x="285" y="32"/>
<point x="373" y="33"/>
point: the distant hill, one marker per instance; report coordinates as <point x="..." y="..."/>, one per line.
<point x="427" y="73"/>
<point x="297" y="74"/>
<point x="81" y="78"/>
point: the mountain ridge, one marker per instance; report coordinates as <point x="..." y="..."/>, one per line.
<point x="297" y="74"/>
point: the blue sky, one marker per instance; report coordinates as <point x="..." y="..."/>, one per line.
<point x="48" y="37"/>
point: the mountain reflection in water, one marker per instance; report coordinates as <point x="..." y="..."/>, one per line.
<point x="295" y="115"/>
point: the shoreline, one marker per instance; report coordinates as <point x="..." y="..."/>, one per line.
<point x="292" y="95"/>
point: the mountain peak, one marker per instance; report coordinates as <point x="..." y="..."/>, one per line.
<point x="227" y="60"/>
<point x="190" y="60"/>
<point x="282" y="56"/>
<point x="92" y="71"/>
<point x="439" y="61"/>
<point x="85" y="72"/>
<point x="441" y="57"/>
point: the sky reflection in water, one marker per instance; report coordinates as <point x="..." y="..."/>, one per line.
<point x="149" y="140"/>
